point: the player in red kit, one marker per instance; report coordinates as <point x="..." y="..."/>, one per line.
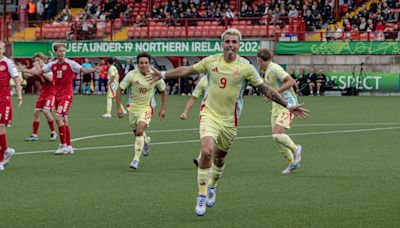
<point x="45" y="101"/>
<point x="63" y="70"/>
<point x="7" y="71"/>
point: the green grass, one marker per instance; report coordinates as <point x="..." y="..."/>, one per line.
<point x="347" y="179"/>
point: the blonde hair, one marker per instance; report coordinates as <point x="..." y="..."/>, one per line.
<point x="231" y="31"/>
<point x="39" y="55"/>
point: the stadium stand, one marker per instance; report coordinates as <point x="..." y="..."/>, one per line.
<point x="315" y="20"/>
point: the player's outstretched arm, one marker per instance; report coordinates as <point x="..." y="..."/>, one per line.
<point x="33" y="71"/>
<point x="180" y="72"/>
<point x="271" y="94"/>
<point x="188" y="107"/>
<point x="163" y="109"/>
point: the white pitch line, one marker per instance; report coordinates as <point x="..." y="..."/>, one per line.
<point x="244" y="127"/>
<point x="237" y="138"/>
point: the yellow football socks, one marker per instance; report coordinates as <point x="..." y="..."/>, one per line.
<point x="109" y="105"/>
<point x="285" y="145"/>
<point x="203" y="176"/>
<point x="139" y="143"/>
<point x="216" y="174"/>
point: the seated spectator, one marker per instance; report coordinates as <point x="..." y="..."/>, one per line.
<point x="380" y="36"/>
<point x="363" y="25"/>
<point x="139" y="22"/>
<point x="320" y="81"/>
<point x="338" y="33"/>
<point x="370" y="26"/>
<point x="229" y="16"/>
<point x="395" y="33"/>
<point x="309" y="19"/>
<point x="347" y="27"/>
<point x="293" y="13"/>
<point x="65" y="15"/>
<point x="380" y="26"/>
<point x="355" y="34"/>
<point x="301" y="82"/>
<point x="311" y="80"/>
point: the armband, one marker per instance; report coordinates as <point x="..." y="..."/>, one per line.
<point x="163" y="74"/>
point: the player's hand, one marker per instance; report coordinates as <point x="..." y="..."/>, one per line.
<point x="19" y="102"/>
<point x="299" y="111"/>
<point x="120" y="113"/>
<point x="161" y="114"/>
<point x="20" y="67"/>
<point x="153" y="75"/>
<point x="183" y="116"/>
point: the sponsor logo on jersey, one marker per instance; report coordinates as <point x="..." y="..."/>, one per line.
<point x="236" y="74"/>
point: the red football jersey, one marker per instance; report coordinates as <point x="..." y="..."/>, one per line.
<point x="48" y="88"/>
<point x="7" y="71"/>
<point x="63" y="73"/>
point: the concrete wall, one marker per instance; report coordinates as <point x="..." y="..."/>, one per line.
<point x="342" y="63"/>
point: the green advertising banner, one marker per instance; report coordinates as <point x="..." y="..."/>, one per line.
<point x="132" y="48"/>
<point x="368" y="82"/>
<point x="339" y="48"/>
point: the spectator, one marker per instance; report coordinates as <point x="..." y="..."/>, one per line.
<point x="187" y="82"/>
<point x="311" y="80"/>
<point x="128" y="66"/>
<point x="139" y="22"/>
<point x="31" y="8"/>
<point x="309" y="21"/>
<point x="229" y="15"/>
<point x="301" y="82"/>
<point x="370" y="26"/>
<point x="40" y="10"/>
<point x="50" y="9"/>
<point x="65" y="16"/>
<point x="320" y="81"/>
<point x="338" y="33"/>
<point x="293" y="13"/>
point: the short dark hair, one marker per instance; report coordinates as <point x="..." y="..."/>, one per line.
<point x="110" y="60"/>
<point x="264" y="54"/>
<point x="143" y="55"/>
<point x="58" y="45"/>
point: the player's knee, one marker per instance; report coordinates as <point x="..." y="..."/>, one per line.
<point x="276" y="137"/>
<point x="219" y="161"/>
<point x="139" y="132"/>
<point x="206" y="154"/>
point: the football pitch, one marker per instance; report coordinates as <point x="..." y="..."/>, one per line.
<point x="349" y="175"/>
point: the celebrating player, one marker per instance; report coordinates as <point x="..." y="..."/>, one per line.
<point x="142" y="104"/>
<point x="7" y="71"/>
<point x="112" y="85"/>
<point x="220" y="111"/>
<point x="45" y="101"/>
<point x="281" y="117"/>
<point x="63" y="70"/>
